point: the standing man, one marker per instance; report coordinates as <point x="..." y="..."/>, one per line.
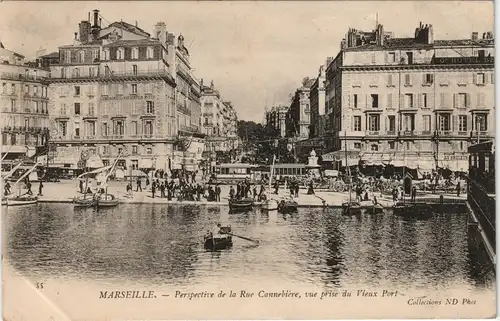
<point x="458" y="189"/>
<point x="153" y="189"/>
<point x="40" y="187"/>
<point x="217" y="192"/>
<point x="139" y="187"/>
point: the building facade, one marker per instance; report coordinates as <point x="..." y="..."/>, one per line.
<point x="219" y="122"/>
<point x="298" y="118"/>
<point x="276" y="120"/>
<point x="118" y="91"/>
<point x="414" y="100"/>
<point x="25" y="118"/>
<point x="318" y="104"/>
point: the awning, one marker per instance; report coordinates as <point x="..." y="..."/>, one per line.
<point x="340" y="155"/>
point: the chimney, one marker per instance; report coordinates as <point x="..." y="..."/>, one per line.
<point x="430" y="35"/>
<point x="76" y="35"/>
<point x="96" y="17"/>
<point x="475" y="36"/>
<point x="88" y="18"/>
<point x="136" y="25"/>
<point x="84" y="31"/>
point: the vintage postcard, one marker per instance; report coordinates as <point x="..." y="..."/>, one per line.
<point x="247" y="160"/>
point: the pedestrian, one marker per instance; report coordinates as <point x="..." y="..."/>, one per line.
<point x="231" y="193"/>
<point x="7" y="188"/>
<point x="139" y="187"/>
<point x="153" y="189"/>
<point x="40" y="187"/>
<point x="162" y="190"/>
<point x="458" y="189"/>
<point x="254" y="190"/>
<point x="28" y="186"/>
<point x="217" y="192"/>
<point x="147" y="182"/>
<point x="80" y="184"/>
<point x="413" y="194"/>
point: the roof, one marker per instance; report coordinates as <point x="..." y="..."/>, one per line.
<point x="132" y="43"/>
<point x="400" y="43"/>
<point x="51" y="55"/>
<point x="129" y="27"/>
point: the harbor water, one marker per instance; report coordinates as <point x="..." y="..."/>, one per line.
<point x="158" y="244"/>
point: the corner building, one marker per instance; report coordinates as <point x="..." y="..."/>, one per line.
<point x="113" y="91"/>
<point x="410" y="100"/>
<point x="25" y="116"/>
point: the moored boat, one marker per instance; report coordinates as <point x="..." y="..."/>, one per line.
<point x="22" y="200"/>
<point x="287" y="206"/>
<point x="106" y="200"/>
<point x="269" y="205"/>
<point x="241" y="204"/>
<point x="351" y="208"/>
<point x="375" y="209"/>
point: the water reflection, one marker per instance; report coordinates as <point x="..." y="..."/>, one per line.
<point x="163" y="244"/>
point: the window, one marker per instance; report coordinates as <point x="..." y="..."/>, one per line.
<point x="63" y="109"/>
<point x="95" y="54"/>
<point x="426" y="120"/>
<point x="355" y="101"/>
<point x="35" y="90"/>
<point x="480" y="79"/>
<point x="134" y="151"/>
<point x="149" y="151"/>
<point x="76" y="72"/>
<point x="106" y="54"/>
<point x="357" y="145"/>
<point x="105" y="129"/>
<point x="409" y="100"/>
<point x="373" y="58"/>
<point x="391" y="145"/>
<point x="68" y="57"/>
<point x="77" y="108"/>
<point x="408" y="122"/>
<point x="81" y="56"/>
<point x="391" y="57"/>
<point x="105" y="150"/>
<point x="391" y="123"/>
<point x="307" y="108"/>
<point x="4" y="88"/>
<point x="357" y="123"/>
<point x="120" y="89"/>
<point x="105" y="90"/>
<point x="481" y="53"/>
<point x="374" y="122"/>
<point x="77" y="130"/>
<point x="13" y="139"/>
<point x="461" y="100"/>
<point x="423" y="101"/>
<point x="13" y="88"/>
<point x="91" y="109"/>
<point x="92" y="72"/>
<point x="135" y="53"/>
<point x="428" y="79"/>
<point x="462" y="123"/>
<point x="480" y="99"/>
<point x="134" y="69"/>
<point x="36" y="107"/>
<point x="410" y="57"/>
<point x="481" y="122"/>
<point x="148" y="127"/>
<point x="135" y="108"/>
<point x="13" y="105"/>
<point x="91" y="128"/>
<point x="150" y="107"/>
<point x="107" y="71"/>
<point x="407" y="80"/>
<point x="133" y="128"/>
<point x="26" y="122"/>
<point x="63" y="72"/>
<point x="374" y="147"/>
<point x="149" y="53"/>
<point x="118" y="128"/>
<point x="444" y="122"/>
<point x="389" y="80"/>
<point x="120" y="54"/>
<point x="374" y="100"/>
<point x="27" y="89"/>
<point x="148" y="88"/>
<point x="77" y="90"/>
<point x="134" y="88"/>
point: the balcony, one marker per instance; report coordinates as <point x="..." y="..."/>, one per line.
<point x="391" y="133"/>
<point x="153" y="74"/>
<point x="407" y="133"/>
<point x="373" y="133"/>
<point x="14" y="76"/>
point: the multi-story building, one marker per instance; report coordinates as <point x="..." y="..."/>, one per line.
<point x="318" y="104"/>
<point x="276" y="120"/>
<point x="25" y="119"/>
<point x="410" y="100"/>
<point x="116" y="90"/>
<point x="299" y="119"/>
<point x="219" y="121"/>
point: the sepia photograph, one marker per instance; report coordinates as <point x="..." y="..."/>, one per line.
<point x="170" y="160"/>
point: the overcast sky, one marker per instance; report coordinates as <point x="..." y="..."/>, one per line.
<point x="254" y="51"/>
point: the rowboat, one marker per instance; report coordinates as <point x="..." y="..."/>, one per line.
<point x="106" y="200"/>
<point x="351" y="208"/>
<point x="22" y="200"/>
<point x="218" y="242"/>
<point x="100" y="201"/>
<point x="401" y="208"/>
<point x="287" y="206"/>
<point x="241" y="204"/>
<point x="269" y="205"/>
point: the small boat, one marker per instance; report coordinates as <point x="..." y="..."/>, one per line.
<point x="106" y="200"/>
<point x="401" y="208"/>
<point x="375" y="209"/>
<point x="270" y="205"/>
<point x="22" y="200"/>
<point x="241" y="204"/>
<point x="287" y="206"/>
<point x="351" y="208"/>
<point x="218" y="242"/>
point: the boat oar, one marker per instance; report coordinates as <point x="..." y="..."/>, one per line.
<point x="245" y="238"/>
